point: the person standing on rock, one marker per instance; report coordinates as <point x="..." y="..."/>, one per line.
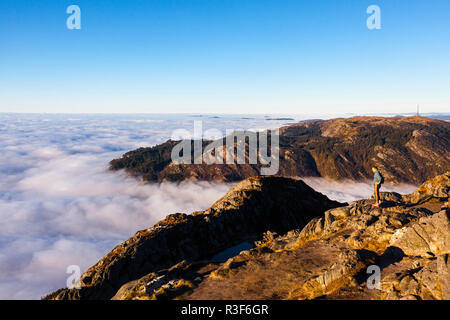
<point x="377" y="181"/>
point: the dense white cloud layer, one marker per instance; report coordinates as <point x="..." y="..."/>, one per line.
<point x="347" y="191"/>
<point x="60" y="206"/>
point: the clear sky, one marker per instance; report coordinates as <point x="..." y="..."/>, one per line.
<point x="224" y="56"/>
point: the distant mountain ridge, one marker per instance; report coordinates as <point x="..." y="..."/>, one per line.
<point x="405" y="149"/>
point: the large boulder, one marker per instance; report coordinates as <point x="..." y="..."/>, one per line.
<point x="429" y="279"/>
<point x="429" y="236"/>
<point x="437" y="189"/>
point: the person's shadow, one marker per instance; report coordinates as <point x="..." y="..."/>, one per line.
<point x="388" y="204"/>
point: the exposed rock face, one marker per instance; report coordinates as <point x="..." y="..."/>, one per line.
<point x="265" y="273"/>
<point x="410" y="149"/>
<point x="248" y="210"/>
<point x="436" y="188"/>
<point x="429" y="237"/>
<point x="329" y="257"/>
<point x="427" y="279"/>
<point x="408" y="239"/>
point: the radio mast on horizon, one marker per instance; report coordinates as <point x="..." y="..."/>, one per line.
<point x="417" y="114"/>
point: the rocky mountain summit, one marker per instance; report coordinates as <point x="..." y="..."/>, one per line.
<point x="405" y="149"/>
<point x="247" y="210"/>
<point x="276" y="238"/>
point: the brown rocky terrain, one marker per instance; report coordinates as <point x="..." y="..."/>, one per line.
<point x="405" y="149"/>
<point x="247" y="210"/>
<point x="305" y="247"/>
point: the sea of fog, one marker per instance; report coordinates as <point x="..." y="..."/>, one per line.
<point x="60" y="206"/>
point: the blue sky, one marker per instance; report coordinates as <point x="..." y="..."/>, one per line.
<point x="228" y="56"/>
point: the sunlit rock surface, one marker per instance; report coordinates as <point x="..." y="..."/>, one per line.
<point x="305" y="247"/>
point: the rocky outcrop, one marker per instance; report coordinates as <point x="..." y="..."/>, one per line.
<point x="330" y="257"/>
<point x="428" y="237"/>
<point x="426" y="279"/>
<point x="410" y="149"/>
<point x="436" y="189"/>
<point x="248" y="210"/>
<point x="327" y="253"/>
